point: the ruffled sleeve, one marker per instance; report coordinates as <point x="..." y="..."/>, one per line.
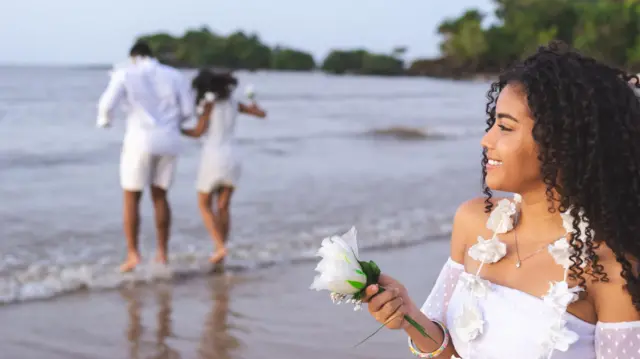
<point x="435" y="307"/>
<point x="618" y="340"/>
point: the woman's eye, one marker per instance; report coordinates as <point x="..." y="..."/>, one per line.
<point x="503" y="128"/>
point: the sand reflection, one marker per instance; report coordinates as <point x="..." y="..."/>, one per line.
<point x="139" y="345"/>
<point x="217" y="340"/>
<point x="153" y="339"/>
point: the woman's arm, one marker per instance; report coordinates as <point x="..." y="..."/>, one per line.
<point x="253" y="110"/>
<point x="202" y="125"/>
<point x="436" y="305"/>
<point x="618" y="329"/>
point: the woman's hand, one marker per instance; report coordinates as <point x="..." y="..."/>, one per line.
<point x="389" y="302"/>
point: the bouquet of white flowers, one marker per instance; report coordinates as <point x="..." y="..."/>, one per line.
<point x="250" y="92"/>
<point x="345" y="275"/>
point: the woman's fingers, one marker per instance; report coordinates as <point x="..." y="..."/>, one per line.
<point x="369" y="292"/>
<point x="377" y="302"/>
<point x="391" y="307"/>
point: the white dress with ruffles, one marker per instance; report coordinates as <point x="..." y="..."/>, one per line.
<point x="490" y="321"/>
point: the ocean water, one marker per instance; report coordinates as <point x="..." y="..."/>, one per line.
<point x="391" y="156"/>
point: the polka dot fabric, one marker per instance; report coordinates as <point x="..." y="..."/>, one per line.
<point x="618" y="340"/>
<point x="436" y="305"/>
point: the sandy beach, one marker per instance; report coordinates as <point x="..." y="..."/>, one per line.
<point x="263" y="313"/>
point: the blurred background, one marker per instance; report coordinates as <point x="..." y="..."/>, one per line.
<point x="376" y="110"/>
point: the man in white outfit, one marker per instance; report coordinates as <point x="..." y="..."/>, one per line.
<point x="158" y="100"/>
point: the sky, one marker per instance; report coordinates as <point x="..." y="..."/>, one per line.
<point x="61" y="32"/>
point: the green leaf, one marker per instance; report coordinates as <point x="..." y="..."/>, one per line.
<point x="370" y="270"/>
<point x="375" y="269"/>
<point x="359" y="272"/>
<point x="356" y="285"/>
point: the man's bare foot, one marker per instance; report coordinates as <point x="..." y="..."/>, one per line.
<point x="130" y="264"/>
<point x="161" y="258"/>
<point x="218" y="255"/>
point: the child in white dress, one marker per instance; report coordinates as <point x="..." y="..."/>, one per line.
<point x="220" y="169"/>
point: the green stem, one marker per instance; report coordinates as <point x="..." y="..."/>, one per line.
<point x="410" y="320"/>
<point x="419" y="327"/>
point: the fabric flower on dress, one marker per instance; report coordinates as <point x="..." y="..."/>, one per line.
<point x="209" y="97"/>
<point x="517" y="198"/>
<point x="560" y="295"/>
<point x="475" y="285"/>
<point x="500" y="220"/>
<point x="560" y="338"/>
<point x="488" y="251"/>
<point x="561" y="252"/>
<point x="469" y="323"/>
<point x="567" y="223"/>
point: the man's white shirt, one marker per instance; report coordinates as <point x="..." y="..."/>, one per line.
<point x="156" y="99"/>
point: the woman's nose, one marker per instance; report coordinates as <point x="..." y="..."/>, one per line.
<point x="488" y="140"/>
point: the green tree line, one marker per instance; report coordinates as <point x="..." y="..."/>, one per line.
<point x="608" y="30"/>
<point x="202" y="47"/>
<point x="471" y="43"/>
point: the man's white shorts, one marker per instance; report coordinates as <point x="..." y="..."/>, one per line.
<point x="139" y="170"/>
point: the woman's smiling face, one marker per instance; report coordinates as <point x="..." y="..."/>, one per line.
<point x="513" y="164"/>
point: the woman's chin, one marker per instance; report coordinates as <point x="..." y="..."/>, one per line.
<point x="496" y="184"/>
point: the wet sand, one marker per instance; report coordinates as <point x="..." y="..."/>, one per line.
<point x="268" y="313"/>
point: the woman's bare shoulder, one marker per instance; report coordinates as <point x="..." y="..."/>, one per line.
<point x="612" y="301"/>
<point x="469" y="222"/>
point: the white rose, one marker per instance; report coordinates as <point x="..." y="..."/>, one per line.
<point x="250" y="92"/>
<point x="339" y="268"/>
<point x="500" y="218"/>
<point x="488" y="251"/>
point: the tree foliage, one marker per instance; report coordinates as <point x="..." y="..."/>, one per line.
<point x="605" y="29"/>
<point x="608" y="30"/>
<point x="202" y="47"/>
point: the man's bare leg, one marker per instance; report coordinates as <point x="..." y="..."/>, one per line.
<point x="131" y="226"/>
<point x="163" y="222"/>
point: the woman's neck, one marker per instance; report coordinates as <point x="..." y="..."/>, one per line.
<point x="535" y="215"/>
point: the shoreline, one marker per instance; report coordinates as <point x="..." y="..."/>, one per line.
<point x="268" y="312"/>
<point x="473" y="77"/>
<point x="148" y="274"/>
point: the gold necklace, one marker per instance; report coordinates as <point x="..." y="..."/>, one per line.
<point x="520" y="260"/>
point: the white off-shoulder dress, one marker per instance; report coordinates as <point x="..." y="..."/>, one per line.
<point x="490" y="321"/>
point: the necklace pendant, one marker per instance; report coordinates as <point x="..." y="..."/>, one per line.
<point x="518" y="264"/>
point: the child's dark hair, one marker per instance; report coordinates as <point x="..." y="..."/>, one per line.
<point x="220" y="84"/>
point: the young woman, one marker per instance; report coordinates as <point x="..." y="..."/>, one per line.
<point x="553" y="271"/>
<point x="219" y="167"/>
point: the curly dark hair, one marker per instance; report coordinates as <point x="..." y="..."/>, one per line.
<point x="221" y="84"/>
<point x="587" y="130"/>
